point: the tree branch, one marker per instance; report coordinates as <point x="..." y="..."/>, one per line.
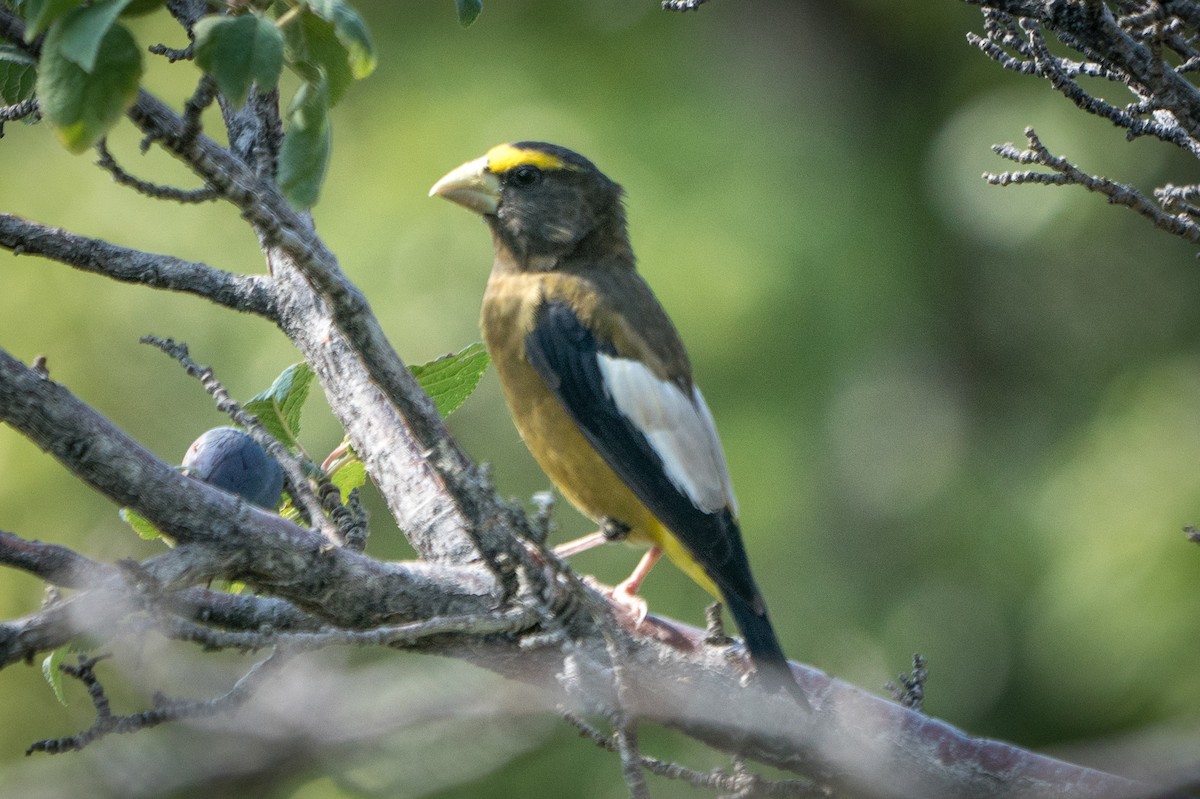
<point x="245" y="293"/>
<point x="1130" y="51"/>
<point x="669" y="675"/>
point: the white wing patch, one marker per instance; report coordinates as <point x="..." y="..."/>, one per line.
<point x="679" y="428"/>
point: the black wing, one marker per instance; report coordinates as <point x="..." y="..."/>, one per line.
<point x="564" y="353"/>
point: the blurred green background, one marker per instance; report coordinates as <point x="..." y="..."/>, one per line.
<point x="961" y="420"/>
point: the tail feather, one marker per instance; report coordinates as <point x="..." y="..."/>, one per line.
<point x="769" y="661"/>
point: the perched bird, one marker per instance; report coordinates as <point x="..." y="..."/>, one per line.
<point x="231" y="460"/>
<point x="598" y="381"/>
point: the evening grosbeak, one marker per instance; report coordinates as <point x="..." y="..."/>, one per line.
<point x="597" y="380"/>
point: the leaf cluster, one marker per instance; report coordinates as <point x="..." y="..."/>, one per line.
<point x="85" y="67"/>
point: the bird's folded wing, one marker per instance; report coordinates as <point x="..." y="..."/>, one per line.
<point x="659" y="440"/>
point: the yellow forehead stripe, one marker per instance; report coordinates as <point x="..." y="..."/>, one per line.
<point x="504" y="157"/>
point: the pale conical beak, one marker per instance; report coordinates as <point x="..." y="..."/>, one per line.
<point x="472" y="186"/>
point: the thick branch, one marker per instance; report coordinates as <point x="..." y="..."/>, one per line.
<point x="259" y="547"/>
<point x="852" y="739"/>
<point x="432" y="462"/>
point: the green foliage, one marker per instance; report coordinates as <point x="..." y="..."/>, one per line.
<point x="91" y="67"/>
<point x="312" y="48"/>
<point x="145" y="530"/>
<point x="449" y="380"/>
<point x="18" y="72"/>
<point x="83" y="29"/>
<point x="326" y="44"/>
<point x="39" y="14"/>
<point x="348" y="473"/>
<point x="304" y="155"/>
<point x="82" y="104"/>
<point x="279" y="407"/>
<point x="350" y="30"/>
<point x="239" y="52"/>
<point x="468" y="11"/>
<point x="53" y="674"/>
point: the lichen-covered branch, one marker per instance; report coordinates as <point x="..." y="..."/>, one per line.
<point x="1064" y="173"/>
<point x="245" y="293"/>
<point x="1144" y="49"/>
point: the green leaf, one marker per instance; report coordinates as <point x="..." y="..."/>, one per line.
<point x="140" y="525"/>
<point x="239" y="52"/>
<point x="279" y="407"/>
<point x="42" y="13"/>
<point x="18" y="71"/>
<point x="449" y="380"/>
<point x="288" y="510"/>
<point x="349" y="474"/>
<point x="53" y="674"/>
<point x="82" y="106"/>
<point x="84" y="28"/>
<point x="468" y="11"/>
<point x="312" y="47"/>
<point x="351" y="32"/>
<point x="304" y="155"/>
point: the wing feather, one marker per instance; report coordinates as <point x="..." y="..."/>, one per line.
<point x="660" y="442"/>
<point x="679" y="428"/>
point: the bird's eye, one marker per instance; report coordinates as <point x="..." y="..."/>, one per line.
<point x="525" y="175"/>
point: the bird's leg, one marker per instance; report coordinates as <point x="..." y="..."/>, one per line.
<point x="578" y="545"/>
<point x="625" y="592"/>
<point x="610" y="530"/>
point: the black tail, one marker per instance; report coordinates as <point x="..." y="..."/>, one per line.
<point x="769" y="660"/>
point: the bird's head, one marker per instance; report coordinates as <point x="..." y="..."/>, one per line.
<point x="541" y="200"/>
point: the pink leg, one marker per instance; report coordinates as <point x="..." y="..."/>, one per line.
<point x="582" y="544"/>
<point x="625" y="592"/>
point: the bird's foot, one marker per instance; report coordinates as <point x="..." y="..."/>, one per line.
<point x="624" y="595"/>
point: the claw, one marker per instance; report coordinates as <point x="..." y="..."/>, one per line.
<point x="624" y="595"/>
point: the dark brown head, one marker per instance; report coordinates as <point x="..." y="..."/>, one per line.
<point x="542" y="202"/>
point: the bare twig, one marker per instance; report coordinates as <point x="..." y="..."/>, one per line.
<point x="109" y="164"/>
<point x="25" y="108"/>
<point x="1132" y="51"/>
<point x="398" y="636"/>
<point x="164" y="709"/>
<point x="909" y="690"/>
<point x="734" y="784"/>
<point x="172" y="54"/>
<point x="1065" y="173"/>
